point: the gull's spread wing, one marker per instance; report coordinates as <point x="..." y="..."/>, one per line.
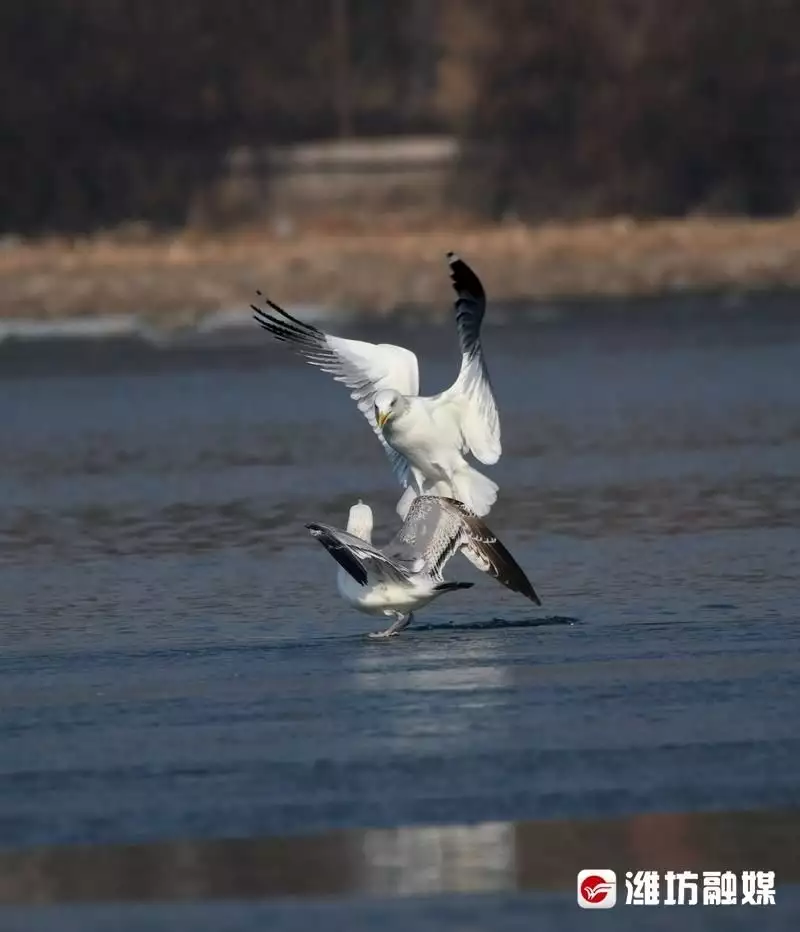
<point x="430" y="535"/>
<point x="365" y="368"/>
<point x="355" y="555"/>
<point x="472" y="391"/>
<point x="438" y="527"/>
<point x="484" y="550"/>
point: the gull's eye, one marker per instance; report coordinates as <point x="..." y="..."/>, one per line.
<point x="393" y="402"/>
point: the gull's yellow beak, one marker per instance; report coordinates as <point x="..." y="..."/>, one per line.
<point x="383" y="417"/>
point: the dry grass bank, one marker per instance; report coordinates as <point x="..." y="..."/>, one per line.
<point x="173" y="280"/>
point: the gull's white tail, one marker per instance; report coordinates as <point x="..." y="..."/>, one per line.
<point x="359" y="521"/>
<point x="468" y="486"/>
<point x="406" y="500"/>
<point x="475" y="490"/>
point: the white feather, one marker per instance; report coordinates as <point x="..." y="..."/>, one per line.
<point x="426" y="438"/>
<point x="407" y="574"/>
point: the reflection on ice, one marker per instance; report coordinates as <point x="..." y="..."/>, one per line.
<point x="418" y="861"/>
<point x="406" y="861"/>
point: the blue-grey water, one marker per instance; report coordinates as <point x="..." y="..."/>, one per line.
<point x="195" y="732"/>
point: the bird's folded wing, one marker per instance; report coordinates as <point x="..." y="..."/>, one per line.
<point x="359" y="558"/>
<point x="472" y="391"/>
<point x="365" y="368"/>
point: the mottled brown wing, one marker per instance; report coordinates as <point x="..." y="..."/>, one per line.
<point x="487" y="553"/>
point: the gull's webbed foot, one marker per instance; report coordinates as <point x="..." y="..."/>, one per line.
<point x="400" y="622"/>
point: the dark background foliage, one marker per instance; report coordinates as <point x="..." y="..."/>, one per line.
<point x="119" y="109"/>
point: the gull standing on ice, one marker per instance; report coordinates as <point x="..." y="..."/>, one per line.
<point x="407" y="574"/>
<point x="426" y="438"/>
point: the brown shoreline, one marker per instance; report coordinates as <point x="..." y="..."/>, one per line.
<point x="526" y="855"/>
<point x="174" y="280"/>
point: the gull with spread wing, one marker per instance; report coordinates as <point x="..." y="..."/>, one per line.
<point x="426" y="438"/>
<point x="407" y="574"/>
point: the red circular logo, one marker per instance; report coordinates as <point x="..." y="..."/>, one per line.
<point x="594" y="889"/>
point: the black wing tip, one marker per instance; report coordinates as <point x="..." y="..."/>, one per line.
<point x="348" y="562"/>
<point x="358" y="573"/>
<point x="464" y="279"/>
<point x="262" y="314"/>
<point x="516" y="580"/>
<point x="512" y="574"/>
<point x="452" y="586"/>
<point x="507" y="570"/>
<point x="520" y="582"/>
<point x="262" y="318"/>
<point x="531" y="594"/>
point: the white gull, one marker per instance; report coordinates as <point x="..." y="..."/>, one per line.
<point x="406" y="575"/>
<point x="426" y="438"/>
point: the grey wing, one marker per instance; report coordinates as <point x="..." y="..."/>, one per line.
<point x="356" y="556"/>
<point x="484" y="550"/>
<point x="430" y="535"/>
<point x="365" y="368"/>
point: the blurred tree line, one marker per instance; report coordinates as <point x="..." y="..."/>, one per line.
<point x="118" y="109"/>
<point x="639" y="106"/>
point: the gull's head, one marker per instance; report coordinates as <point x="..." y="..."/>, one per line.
<point x="388" y="404"/>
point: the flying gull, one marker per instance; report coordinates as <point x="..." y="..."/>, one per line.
<point x="407" y="574"/>
<point x="426" y="438"/>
